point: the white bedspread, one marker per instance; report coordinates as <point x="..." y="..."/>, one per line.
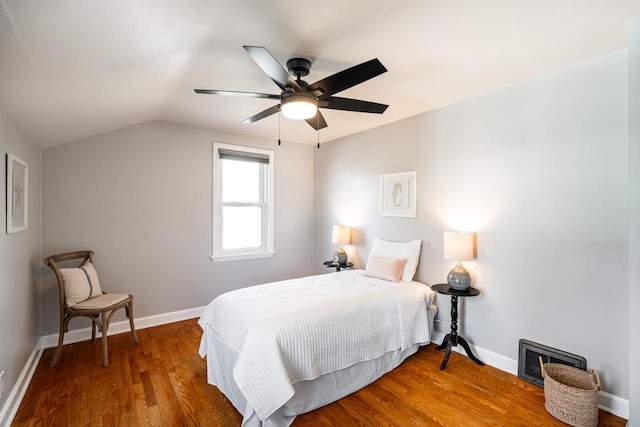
<point x="300" y="329"/>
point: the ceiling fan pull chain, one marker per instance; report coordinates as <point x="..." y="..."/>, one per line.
<point x="279" y="116"/>
<point x="318" y="116"/>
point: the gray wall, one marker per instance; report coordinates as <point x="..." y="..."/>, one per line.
<point x="634" y="234"/>
<point x="20" y="264"/>
<point x="539" y="171"/>
<point x="141" y="198"/>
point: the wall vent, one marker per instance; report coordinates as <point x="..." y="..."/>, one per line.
<point x="529" y="365"/>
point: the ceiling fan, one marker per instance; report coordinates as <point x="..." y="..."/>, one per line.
<point x="300" y="100"/>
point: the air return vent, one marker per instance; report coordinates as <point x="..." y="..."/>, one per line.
<point x="529" y="365"/>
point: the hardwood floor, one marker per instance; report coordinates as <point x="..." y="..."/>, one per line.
<point x="163" y="382"/>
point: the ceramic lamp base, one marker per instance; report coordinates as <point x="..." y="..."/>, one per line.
<point x="459" y="278"/>
<point x="340" y="256"/>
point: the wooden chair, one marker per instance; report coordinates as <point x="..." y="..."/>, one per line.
<point x="104" y="304"/>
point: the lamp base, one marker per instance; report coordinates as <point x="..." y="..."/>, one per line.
<point x="459" y="278"/>
<point x="340" y="256"/>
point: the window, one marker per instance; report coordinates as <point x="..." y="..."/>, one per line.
<point x="242" y="202"/>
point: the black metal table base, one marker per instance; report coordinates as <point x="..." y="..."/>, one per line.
<point x="451" y="341"/>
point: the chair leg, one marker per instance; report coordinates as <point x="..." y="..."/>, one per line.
<point x="93" y="331"/>
<point x="56" y="357"/>
<point x="129" y="310"/>
<point x="105" y="350"/>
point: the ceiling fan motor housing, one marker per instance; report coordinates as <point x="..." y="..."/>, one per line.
<point x="298" y="67"/>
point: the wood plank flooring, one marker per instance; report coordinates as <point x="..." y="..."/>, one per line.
<point x="163" y="382"/>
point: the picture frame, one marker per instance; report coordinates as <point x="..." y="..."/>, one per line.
<point x="17" y="194"/>
<point x="398" y="194"/>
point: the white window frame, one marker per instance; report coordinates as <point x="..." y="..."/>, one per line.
<point x="267" y="250"/>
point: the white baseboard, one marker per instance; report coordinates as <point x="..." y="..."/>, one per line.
<point x="606" y="401"/>
<point x="116" y="328"/>
<point x="489" y="357"/>
<point x="614" y="404"/>
<point x="12" y="404"/>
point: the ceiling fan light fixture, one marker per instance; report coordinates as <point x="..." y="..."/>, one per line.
<point x="299" y="107"/>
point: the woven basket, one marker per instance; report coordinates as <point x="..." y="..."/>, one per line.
<point x="571" y="394"/>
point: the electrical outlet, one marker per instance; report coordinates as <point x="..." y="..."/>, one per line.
<point x="1" y="383"/>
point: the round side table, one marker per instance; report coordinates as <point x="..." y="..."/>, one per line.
<point x="452" y="339"/>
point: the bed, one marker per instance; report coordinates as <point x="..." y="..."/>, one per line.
<point x="285" y="348"/>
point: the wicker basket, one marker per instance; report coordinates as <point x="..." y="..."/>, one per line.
<point x="571" y="394"/>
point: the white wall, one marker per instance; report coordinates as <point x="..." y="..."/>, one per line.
<point x="20" y="264"/>
<point x="539" y="171"/>
<point x="141" y="198"/>
<point x="634" y="234"/>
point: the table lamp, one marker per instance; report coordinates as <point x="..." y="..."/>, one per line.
<point x="341" y="236"/>
<point x="458" y="247"/>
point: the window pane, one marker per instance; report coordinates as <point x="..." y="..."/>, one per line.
<point x="241" y="227"/>
<point x="241" y="181"/>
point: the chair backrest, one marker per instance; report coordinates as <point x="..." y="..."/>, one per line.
<point x="53" y="260"/>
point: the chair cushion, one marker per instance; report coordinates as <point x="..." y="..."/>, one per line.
<point x="101" y="301"/>
<point x="80" y="283"/>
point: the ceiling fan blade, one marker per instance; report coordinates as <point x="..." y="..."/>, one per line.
<point x="261" y="115"/>
<point x="347" y="78"/>
<point x="272" y="67"/>
<point x="237" y="93"/>
<point x="348" y="104"/>
<point x="313" y="121"/>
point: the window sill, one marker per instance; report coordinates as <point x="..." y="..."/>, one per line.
<point x="237" y="257"/>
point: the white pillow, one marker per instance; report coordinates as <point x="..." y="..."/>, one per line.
<point x="409" y="251"/>
<point x="385" y="268"/>
<point x="80" y="283"/>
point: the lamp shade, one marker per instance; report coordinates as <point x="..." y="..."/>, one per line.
<point x="341" y="235"/>
<point x="458" y="246"/>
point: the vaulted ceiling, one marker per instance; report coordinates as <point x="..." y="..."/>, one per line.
<point x="70" y="69"/>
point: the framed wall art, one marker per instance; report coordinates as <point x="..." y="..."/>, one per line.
<point x="398" y="194"/>
<point x="17" y="194"/>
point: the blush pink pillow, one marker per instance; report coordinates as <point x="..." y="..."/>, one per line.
<point x="385" y="268"/>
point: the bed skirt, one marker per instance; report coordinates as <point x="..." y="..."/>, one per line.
<point x="309" y="395"/>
